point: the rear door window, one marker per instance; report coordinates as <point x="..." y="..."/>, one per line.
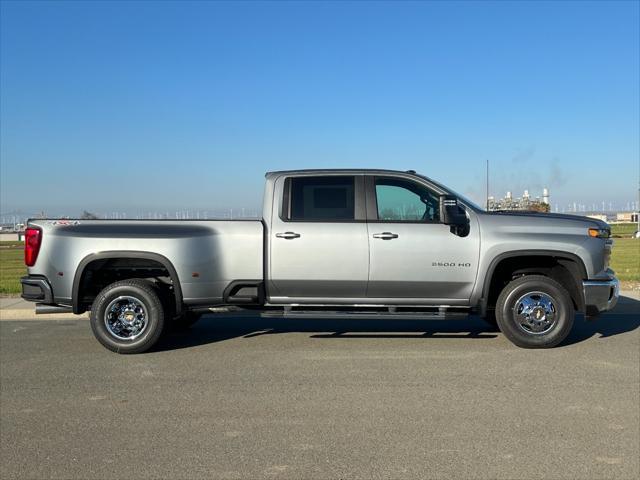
<point x="316" y="199"/>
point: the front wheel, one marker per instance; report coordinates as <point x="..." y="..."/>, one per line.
<point x="535" y="311"/>
<point x="128" y="316"/>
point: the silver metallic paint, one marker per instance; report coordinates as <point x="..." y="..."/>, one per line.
<point x="220" y="252"/>
<point x="330" y="263"/>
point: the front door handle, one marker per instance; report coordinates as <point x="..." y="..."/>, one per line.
<point x="288" y="235"/>
<point x="385" y="235"/>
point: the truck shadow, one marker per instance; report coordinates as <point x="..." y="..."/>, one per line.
<point x="217" y="328"/>
<point x="212" y="329"/>
<point x="625" y="317"/>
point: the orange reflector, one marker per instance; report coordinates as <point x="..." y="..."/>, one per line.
<point x="594" y="232"/>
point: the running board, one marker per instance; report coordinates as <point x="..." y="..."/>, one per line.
<point x="42" y="308"/>
<point x="388" y="313"/>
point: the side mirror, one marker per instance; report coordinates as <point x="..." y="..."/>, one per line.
<point x="453" y="215"/>
<point x="450" y="211"/>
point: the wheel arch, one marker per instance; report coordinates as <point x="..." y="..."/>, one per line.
<point x="569" y="262"/>
<point x="125" y="254"/>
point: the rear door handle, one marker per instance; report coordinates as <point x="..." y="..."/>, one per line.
<point x="385" y="235"/>
<point x="288" y="235"/>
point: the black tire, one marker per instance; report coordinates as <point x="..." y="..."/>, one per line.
<point x="534" y="329"/>
<point x="144" y="295"/>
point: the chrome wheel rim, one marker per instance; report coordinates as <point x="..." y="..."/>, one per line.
<point x="535" y="313"/>
<point x="126" y="318"/>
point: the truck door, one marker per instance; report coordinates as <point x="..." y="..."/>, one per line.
<point x="318" y="244"/>
<point x="413" y="255"/>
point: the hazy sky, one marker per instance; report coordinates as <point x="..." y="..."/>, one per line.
<point x="161" y="105"/>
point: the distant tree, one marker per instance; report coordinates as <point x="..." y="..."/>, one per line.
<point x="540" y="207"/>
<point x="88" y="216"/>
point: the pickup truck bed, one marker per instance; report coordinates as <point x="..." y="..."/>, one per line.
<point x="203" y="256"/>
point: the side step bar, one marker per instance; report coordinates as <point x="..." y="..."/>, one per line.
<point x="388" y="313"/>
<point x="42" y="308"/>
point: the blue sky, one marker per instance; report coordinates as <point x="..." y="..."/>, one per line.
<point x="162" y="105"/>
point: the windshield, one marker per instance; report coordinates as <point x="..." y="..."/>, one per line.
<point x="470" y="203"/>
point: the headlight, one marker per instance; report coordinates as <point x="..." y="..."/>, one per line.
<point x="599" y="232"/>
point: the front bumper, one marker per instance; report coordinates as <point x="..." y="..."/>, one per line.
<point x="600" y="295"/>
<point x="36" y="289"/>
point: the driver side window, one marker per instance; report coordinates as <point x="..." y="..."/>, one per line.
<point x="401" y="200"/>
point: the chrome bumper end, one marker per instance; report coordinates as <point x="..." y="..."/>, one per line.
<point x="600" y="295"/>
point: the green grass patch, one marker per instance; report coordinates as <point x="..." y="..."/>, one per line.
<point x="624" y="230"/>
<point x="11" y="268"/>
<point x="625" y="259"/>
<point x="11" y="243"/>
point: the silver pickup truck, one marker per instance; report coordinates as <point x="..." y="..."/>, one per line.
<point x="330" y="242"/>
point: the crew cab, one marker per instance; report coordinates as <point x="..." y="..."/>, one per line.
<point x="330" y="242"/>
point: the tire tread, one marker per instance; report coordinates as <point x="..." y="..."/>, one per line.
<point x="149" y="289"/>
<point x="521" y="339"/>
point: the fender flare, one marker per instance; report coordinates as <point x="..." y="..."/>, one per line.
<point x="164" y="261"/>
<point x="529" y="253"/>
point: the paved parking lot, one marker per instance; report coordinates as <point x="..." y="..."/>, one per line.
<point x="273" y="398"/>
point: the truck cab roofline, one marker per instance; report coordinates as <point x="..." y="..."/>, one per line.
<point x="350" y="171"/>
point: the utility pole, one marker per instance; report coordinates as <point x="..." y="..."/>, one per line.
<point x="487" y="184"/>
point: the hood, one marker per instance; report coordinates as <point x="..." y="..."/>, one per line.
<point x="549" y="216"/>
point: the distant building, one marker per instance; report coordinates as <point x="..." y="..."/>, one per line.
<point x="626" y="217"/>
<point x="525" y="203"/>
<point x="599" y="216"/>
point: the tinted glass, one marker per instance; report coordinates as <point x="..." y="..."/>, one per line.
<point x="405" y="201"/>
<point x="322" y="198"/>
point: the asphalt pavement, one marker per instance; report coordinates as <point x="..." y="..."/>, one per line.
<point x="247" y="397"/>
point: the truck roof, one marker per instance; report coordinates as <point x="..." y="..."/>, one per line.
<point x="370" y="171"/>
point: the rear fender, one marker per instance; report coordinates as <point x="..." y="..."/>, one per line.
<point x="165" y="262"/>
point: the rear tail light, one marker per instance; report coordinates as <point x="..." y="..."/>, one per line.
<point x="32" y="241"/>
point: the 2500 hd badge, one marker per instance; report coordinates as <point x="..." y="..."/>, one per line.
<point x="450" y="264"/>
